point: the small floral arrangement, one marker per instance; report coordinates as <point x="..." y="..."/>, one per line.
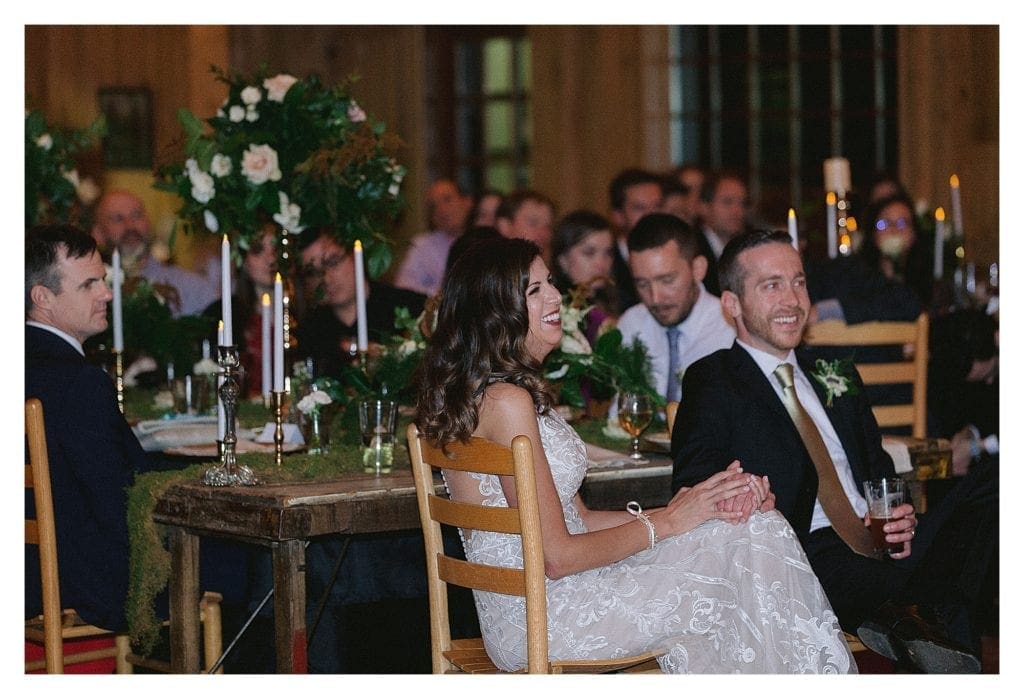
<point x="291" y="151"/>
<point x="836" y="377"/>
<point x="311" y="402"/>
<point x="608" y="367"/>
<point x="391" y="374"/>
<point x="54" y="192"/>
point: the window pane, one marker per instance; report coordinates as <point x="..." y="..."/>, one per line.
<point x="498" y="127"/>
<point x="524" y="65"/>
<point x="500" y="176"/>
<point x="497" y="66"/>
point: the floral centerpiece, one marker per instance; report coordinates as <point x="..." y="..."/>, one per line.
<point x="54" y="191"/>
<point x="295" y="152"/>
<point x="606" y="368"/>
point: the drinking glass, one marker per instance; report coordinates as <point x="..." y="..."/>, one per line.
<point x="377" y="428"/>
<point x="636" y="410"/>
<point x="883" y="495"/>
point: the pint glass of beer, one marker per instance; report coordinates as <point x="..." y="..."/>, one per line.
<point x="883" y="495"/>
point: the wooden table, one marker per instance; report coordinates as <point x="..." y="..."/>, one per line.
<point x="284" y="516"/>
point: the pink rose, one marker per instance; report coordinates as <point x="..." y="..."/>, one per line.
<point x="259" y="164"/>
<point x="277" y="87"/>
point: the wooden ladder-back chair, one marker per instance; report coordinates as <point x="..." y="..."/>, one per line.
<point x="482" y="456"/>
<point x="913" y="370"/>
<point x="55" y="624"/>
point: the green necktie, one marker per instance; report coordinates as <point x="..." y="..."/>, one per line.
<point x="830" y="491"/>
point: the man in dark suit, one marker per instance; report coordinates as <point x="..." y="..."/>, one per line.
<point x="91" y="448"/>
<point x="734" y="407"/>
<point x="723" y="208"/>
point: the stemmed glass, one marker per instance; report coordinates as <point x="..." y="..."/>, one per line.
<point x="636" y="410"/>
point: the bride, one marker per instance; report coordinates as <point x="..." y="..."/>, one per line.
<point x="717" y="576"/>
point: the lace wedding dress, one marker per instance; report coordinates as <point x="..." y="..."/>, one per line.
<point x="721" y="598"/>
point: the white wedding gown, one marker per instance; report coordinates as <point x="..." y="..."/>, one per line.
<point x="721" y="598"/>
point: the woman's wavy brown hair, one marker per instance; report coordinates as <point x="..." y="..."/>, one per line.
<point x="480" y="338"/>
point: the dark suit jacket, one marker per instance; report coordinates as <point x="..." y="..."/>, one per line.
<point x="729" y="411"/>
<point x="93" y="454"/>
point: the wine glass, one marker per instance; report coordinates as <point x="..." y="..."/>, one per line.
<point x="636" y="410"/>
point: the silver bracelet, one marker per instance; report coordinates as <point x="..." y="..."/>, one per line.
<point x="633" y="508"/>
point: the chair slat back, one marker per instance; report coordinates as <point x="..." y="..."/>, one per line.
<point x="481" y="456"/>
<point x="835" y="333"/>
<point x="42" y="531"/>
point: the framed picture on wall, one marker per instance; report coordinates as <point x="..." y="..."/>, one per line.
<point x="129" y="115"/>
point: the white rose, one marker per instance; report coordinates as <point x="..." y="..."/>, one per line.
<point x="393" y="189"/>
<point x="251" y="114"/>
<point x="407" y="348"/>
<point x="312" y="401"/>
<point x="259" y="164"/>
<point x="236" y="113"/>
<point x="202" y="186"/>
<point x="251" y="95"/>
<point x="220" y="166"/>
<point x="290" y="215"/>
<point x="45" y="141"/>
<point x="277" y="87"/>
<point x="71" y="176"/>
<point x="191" y="166"/>
<point x="575" y="343"/>
<point x="212" y="224"/>
<point x="355" y="113"/>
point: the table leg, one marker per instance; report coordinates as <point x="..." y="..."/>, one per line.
<point x="290" y="605"/>
<point x="184" y="596"/>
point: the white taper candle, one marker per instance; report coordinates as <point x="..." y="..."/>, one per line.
<point x="265" y="345"/>
<point x="940" y="235"/>
<point x="225" y="290"/>
<point x="117" y="311"/>
<point x="360" y="298"/>
<point x="278" y="334"/>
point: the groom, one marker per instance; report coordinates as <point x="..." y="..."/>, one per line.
<point x="758" y="402"/>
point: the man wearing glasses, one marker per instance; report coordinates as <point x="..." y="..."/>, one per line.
<point x="327" y="332"/>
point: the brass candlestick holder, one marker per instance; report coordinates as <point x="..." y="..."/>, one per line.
<point x="229" y="471"/>
<point x="278" y="397"/>
<point x="119" y="379"/>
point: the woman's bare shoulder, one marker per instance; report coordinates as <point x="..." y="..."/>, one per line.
<point x="506" y="409"/>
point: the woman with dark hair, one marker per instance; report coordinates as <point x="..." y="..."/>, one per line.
<point x="583" y="251"/>
<point x="716" y="577"/>
<point x="889" y="278"/>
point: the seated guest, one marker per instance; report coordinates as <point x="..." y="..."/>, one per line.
<point x="724" y="207"/>
<point x="528" y="214"/>
<point x="718" y="590"/>
<point x="889" y="278"/>
<point x="121" y="222"/>
<point x="92" y="451"/>
<point x="757" y="402"/>
<point x="963" y="385"/>
<point x="632" y="194"/>
<point x="584" y="250"/>
<point x="677" y="319"/>
<point x="485" y="209"/>
<point x="328" y="332"/>
<point x="422" y="268"/>
<point x="690" y="179"/>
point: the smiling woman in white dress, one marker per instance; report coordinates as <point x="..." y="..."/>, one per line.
<point x="717" y="577"/>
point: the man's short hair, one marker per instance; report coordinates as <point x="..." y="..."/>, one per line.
<point x="630" y="178"/>
<point x="654" y="230"/>
<point x="43" y="247"/>
<point x="711" y="182"/>
<point x="731" y="274"/>
<point x="511" y="204"/>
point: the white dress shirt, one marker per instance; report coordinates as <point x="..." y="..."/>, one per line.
<point x="701" y="333"/>
<point x="59" y="333"/>
<point x="767" y="363"/>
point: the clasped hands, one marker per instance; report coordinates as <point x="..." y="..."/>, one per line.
<point x="730" y="495"/>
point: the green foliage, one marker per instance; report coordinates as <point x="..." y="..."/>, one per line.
<point x="150" y="329"/>
<point x="336" y="168"/>
<point x="53" y="191"/>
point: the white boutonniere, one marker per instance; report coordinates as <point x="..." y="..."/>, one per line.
<point x="836" y="377"/>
